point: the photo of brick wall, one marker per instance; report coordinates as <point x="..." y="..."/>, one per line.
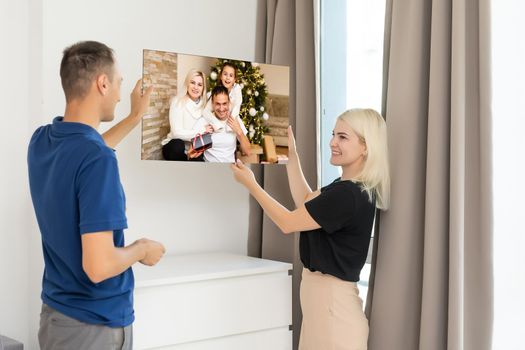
<point x="160" y="70"/>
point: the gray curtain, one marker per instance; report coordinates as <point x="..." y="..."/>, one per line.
<point x="431" y="284"/>
<point x="289" y="41"/>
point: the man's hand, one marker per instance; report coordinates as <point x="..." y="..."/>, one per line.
<point x="154" y="251"/>
<point x="139" y="100"/>
<point x="102" y="260"/>
<point x="139" y="106"/>
<point x="234" y="124"/>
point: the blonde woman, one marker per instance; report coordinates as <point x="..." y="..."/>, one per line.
<point x="185" y="111"/>
<point x="335" y="224"/>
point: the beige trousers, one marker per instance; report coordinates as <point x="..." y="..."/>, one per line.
<point x="333" y="317"/>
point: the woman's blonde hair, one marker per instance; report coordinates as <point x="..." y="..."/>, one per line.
<point x="375" y="175"/>
<point x="182" y="98"/>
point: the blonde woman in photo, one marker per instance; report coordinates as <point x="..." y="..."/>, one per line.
<point x="335" y="225"/>
<point x="185" y="111"/>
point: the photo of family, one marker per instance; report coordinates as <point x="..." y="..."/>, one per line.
<point x="206" y="109"/>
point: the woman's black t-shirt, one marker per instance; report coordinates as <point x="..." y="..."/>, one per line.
<point x="340" y="246"/>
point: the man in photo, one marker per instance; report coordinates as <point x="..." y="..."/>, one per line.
<point x="232" y="130"/>
<point x="87" y="287"/>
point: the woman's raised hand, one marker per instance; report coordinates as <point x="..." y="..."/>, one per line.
<point x="242" y="173"/>
<point x="292" y="151"/>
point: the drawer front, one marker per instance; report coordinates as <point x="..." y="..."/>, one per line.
<point x="189" y="312"/>
<point x="273" y="339"/>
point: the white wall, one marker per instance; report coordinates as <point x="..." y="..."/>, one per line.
<point x="14" y="205"/>
<point x="171" y="208"/>
<point x="189" y="207"/>
<point x="508" y="74"/>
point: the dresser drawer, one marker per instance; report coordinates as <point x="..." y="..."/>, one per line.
<point x="272" y="339"/>
<point x="241" y="302"/>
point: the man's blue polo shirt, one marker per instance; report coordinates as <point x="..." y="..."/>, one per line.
<point x="76" y="189"/>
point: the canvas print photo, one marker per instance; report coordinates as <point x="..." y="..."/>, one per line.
<point x="214" y="110"/>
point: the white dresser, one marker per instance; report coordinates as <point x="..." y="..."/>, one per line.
<point x="213" y="301"/>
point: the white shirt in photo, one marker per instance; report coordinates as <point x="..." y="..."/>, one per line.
<point x="224" y="145"/>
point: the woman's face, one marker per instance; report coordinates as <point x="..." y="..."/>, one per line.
<point x="346" y="146"/>
<point x="228" y="77"/>
<point x="195" y="87"/>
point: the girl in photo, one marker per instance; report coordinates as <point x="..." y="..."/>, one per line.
<point x="227" y="78"/>
<point x="185" y="111"/>
<point x="335" y="225"/>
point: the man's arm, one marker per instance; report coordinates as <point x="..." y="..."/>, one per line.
<point x="244" y="142"/>
<point x="139" y="106"/>
<point x="246" y="148"/>
<point x="102" y="260"/>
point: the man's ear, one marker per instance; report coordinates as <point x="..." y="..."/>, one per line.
<point x="102" y="84"/>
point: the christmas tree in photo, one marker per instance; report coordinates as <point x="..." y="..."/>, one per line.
<point x="254" y="91"/>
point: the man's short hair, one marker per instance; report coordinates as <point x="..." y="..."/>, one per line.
<point x="219" y="90"/>
<point x="81" y="64"/>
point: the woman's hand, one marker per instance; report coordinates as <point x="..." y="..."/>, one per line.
<point x="193" y="153"/>
<point x="243" y="174"/>
<point x="292" y="151"/>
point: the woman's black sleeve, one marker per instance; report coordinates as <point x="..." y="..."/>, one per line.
<point x="333" y="208"/>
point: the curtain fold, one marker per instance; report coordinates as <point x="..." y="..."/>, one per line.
<point x="431" y="283"/>
<point x="289" y="41"/>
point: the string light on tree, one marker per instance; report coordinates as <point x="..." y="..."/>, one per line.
<point x="254" y="92"/>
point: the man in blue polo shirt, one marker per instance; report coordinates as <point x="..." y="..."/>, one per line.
<point x="87" y="287"/>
